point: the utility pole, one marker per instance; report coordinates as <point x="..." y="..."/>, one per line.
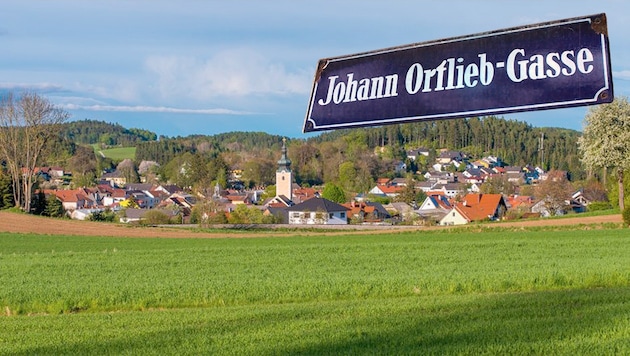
<point x="541" y="148"/>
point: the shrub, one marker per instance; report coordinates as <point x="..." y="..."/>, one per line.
<point x="599" y="205"/>
<point x="156" y="217"/>
<point x="106" y="215"/>
<point x="626" y="215"/>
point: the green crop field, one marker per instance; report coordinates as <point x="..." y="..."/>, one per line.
<point x="503" y="291"/>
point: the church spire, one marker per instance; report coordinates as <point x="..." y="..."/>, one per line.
<point x="284" y="163"/>
<point x="284" y="176"/>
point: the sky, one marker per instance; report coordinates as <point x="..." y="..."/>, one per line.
<point x="181" y="68"/>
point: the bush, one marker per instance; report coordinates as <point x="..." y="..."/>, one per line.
<point x="156" y="217"/>
<point x="626" y="215"/>
<point x="107" y="215"/>
<point x="599" y="205"/>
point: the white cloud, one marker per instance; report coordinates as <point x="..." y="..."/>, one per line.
<point x="156" y="109"/>
<point x="37" y="87"/>
<point x="624" y="74"/>
<point x="237" y="72"/>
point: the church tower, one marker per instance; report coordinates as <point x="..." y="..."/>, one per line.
<point x="284" y="177"/>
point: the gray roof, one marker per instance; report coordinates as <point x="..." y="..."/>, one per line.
<point x="318" y="204"/>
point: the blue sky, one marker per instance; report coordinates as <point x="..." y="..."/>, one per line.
<point x="179" y="68"/>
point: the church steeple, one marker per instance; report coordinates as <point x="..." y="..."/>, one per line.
<point x="284" y="176"/>
<point x="284" y="163"/>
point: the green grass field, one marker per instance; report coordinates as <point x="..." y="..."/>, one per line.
<point x="116" y="153"/>
<point x="503" y="291"/>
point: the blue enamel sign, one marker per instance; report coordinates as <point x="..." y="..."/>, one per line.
<point x="550" y="65"/>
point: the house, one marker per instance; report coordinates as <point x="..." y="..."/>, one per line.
<point x="435" y="201"/>
<point x="414" y="154"/>
<point x="83" y="214"/>
<point x="424" y="186"/>
<point x="72" y="199"/>
<point x="440" y="177"/>
<point x="517" y="178"/>
<point x="520" y="203"/>
<point x="169" y="188"/>
<point x="367" y="211"/>
<point x="451" y="190"/>
<point x="279" y="201"/>
<point x="110" y="196"/>
<point x="318" y="211"/>
<point x="588" y="196"/>
<point x="447" y="157"/>
<point x="540" y="208"/>
<point x="480" y="163"/>
<point x="115" y="178"/>
<point x="386" y="190"/>
<point x="301" y="194"/>
<point x="398" y="182"/>
<point x="434" y="207"/>
<point x="402" y="210"/>
<point x="476" y="207"/>
<point x="400" y="167"/>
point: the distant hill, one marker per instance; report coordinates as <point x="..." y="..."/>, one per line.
<point x="91" y="132"/>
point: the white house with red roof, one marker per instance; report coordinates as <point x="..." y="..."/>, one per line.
<point x="476" y="207"/>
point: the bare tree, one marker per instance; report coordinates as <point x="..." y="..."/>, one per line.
<point x="27" y="123"/>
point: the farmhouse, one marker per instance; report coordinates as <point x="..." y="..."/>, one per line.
<point x="318" y="211"/>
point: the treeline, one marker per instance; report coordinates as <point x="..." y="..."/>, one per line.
<point x="352" y="158"/>
<point x="243" y="143"/>
<point x="92" y="131"/>
<point x="517" y="143"/>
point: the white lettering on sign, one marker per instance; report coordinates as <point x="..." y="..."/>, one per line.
<point x="455" y="74"/>
<point x="363" y="89"/>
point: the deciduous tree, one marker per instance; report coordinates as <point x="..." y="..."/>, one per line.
<point x="605" y="142"/>
<point x="554" y="191"/>
<point x="334" y="193"/>
<point x="27" y="123"/>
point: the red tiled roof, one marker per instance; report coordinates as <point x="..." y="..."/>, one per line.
<point x="477" y="207"/>
<point x="70" y="196"/>
<point x="390" y="189"/>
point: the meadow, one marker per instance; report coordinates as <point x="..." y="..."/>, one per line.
<point x="503" y="291"/>
<point x="116" y="153"/>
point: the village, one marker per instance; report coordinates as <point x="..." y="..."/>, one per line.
<point x="452" y="190"/>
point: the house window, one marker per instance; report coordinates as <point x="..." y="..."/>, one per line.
<point x="330" y="215"/>
<point x="453" y="213"/>
<point x="295" y="215"/>
<point x="343" y="215"/>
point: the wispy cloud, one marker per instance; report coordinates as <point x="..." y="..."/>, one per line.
<point x="624" y="74"/>
<point x="235" y="72"/>
<point x="154" y="109"/>
<point x="35" y="87"/>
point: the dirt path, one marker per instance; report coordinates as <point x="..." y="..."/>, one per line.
<point x="22" y="223"/>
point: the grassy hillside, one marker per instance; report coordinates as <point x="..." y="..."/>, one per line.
<point x="116" y="153"/>
<point x="442" y="292"/>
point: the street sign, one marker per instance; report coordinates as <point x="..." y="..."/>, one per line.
<point x="556" y="64"/>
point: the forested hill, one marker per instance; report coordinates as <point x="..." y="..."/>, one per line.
<point x="516" y="142"/>
<point x="92" y="131"/>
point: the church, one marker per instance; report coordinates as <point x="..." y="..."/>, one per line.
<point x="309" y="208"/>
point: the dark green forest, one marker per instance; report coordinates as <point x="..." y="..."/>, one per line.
<point x="92" y="131"/>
